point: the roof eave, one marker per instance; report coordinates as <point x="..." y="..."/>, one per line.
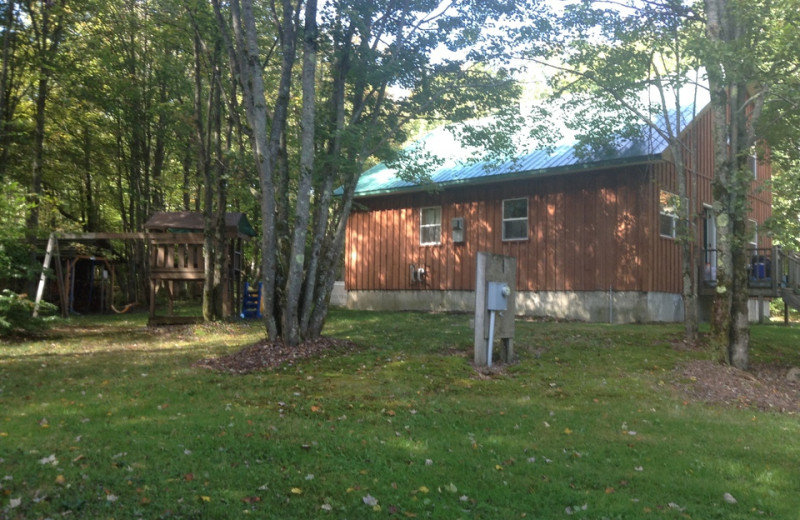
<point x="540" y="173"/>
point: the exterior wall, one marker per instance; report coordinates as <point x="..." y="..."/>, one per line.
<point x="595" y="306"/>
<point x="590" y="234"/>
<point x="587" y="232"/>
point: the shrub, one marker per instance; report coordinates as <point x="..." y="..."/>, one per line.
<point x="16" y="314"/>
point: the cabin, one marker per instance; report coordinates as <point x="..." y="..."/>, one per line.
<point x="595" y="235"/>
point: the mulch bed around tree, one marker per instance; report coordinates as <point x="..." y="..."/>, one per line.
<point x="265" y="355"/>
<point x="763" y="387"/>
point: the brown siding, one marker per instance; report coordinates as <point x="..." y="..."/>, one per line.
<point x="576" y="232"/>
<point x="587" y="231"/>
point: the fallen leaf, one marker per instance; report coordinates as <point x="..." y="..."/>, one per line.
<point x="297" y="491"/>
<point x="204" y="498"/>
<point x="673" y="505"/>
<point x="609" y="490"/>
<point x="61" y="480"/>
<point x="567" y="431"/>
<point x="251" y="500"/>
<point x="423" y="489"/>
<point x="51" y="459"/>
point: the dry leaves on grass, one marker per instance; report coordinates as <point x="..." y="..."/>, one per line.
<point x="764" y="387"/>
<point x="265" y="355"/>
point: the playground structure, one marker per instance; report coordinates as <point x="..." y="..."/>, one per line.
<point x="174" y="243"/>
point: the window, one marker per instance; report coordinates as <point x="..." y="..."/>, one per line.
<point x="430" y="226"/>
<point x="752" y="233"/>
<point x="752" y="162"/>
<point x="515" y="219"/>
<point x="668" y="214"/>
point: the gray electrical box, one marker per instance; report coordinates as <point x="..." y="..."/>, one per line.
<point x="497" y="296"/>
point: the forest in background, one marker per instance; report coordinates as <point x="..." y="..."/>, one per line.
<point x="112" y="110"/>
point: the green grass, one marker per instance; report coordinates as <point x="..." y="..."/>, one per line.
<point x="103" y="418"/>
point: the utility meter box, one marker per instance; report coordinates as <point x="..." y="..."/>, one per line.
<point x="495" y="281"/>
<point x="497" y="296"/>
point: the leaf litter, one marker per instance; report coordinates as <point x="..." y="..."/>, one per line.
<point x="764" y="387"/>
<point x="266" y="355"/>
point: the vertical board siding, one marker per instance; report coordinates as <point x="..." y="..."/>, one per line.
<point x="591" y="231"/>
<point x="576" y="232"/>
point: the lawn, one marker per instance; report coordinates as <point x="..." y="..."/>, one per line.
<point x="105" y="418"/>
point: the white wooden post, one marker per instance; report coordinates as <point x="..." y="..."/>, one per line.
<point x="51" y="245"/>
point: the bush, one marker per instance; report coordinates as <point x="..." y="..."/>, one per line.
<point x="16" y="314"/>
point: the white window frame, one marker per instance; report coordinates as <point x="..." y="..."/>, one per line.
<point x="515" y="219"/>
<point x="752" y="159"/>
<point x="752" y="225"/>
<point x="669" y="211"/>
<point x="423" y="225"/>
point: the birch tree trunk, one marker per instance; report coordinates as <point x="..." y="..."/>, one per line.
<point x="296" y="261"/>
<point x="265" y="139"/>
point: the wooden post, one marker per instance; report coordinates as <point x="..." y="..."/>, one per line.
<point x="51" y="245"/>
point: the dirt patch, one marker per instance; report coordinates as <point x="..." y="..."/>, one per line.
<point x="764" y="387"/>
<point x="266" y="355"/>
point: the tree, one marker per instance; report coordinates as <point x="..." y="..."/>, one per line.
<point x="47" y="19"/>
<point x="625" y="67"/>
<point x="369" y="48"/>
<point x="750" y="57"/>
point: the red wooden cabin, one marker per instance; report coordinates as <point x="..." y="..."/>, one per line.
<point x="595" y="239"/>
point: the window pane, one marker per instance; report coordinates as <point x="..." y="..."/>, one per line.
<point x="515" y="208"/>
<point x="431" y="216"/>
<point x="430" y="225"/>
<point x="515" y="229"/>
<point x="430" y="234"/>
<point x="668" y="202"/>
<point x="667" y="225"/>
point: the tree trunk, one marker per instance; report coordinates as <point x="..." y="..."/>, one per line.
<point x="265" y="144"/>
<point x="297" y="261"/>
<point x="5" y="115"/>
<point x="92" y="223"/>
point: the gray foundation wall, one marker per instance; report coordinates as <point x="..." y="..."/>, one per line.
<point x="600" y="306"/>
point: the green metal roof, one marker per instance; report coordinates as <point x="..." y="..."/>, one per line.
<point x="455" y="166"/>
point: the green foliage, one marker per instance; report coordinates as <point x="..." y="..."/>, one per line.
<point x="16" y="314"/>
<point x="14" y="253"/>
